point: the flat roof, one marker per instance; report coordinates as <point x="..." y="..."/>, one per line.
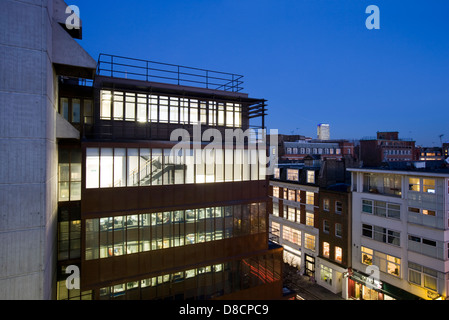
<point x="417" y="172"/>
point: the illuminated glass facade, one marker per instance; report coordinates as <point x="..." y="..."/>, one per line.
<point x="208" y="282"/>
<point x="156" y="108"/>
<point x="154" y="218"/>
<point x="128" y="167"/>
<point x="122" y="235"/>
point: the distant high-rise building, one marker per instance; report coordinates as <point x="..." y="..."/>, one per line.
<point x="323" y="131"/>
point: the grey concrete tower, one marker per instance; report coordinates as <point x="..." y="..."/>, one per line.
<point x="35" y="48"/>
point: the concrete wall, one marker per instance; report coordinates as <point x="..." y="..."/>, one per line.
<point x="28" y="151"/>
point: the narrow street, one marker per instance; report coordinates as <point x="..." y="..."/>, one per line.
<point x="306" y="288"/>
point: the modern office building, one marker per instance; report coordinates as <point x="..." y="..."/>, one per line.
<point x="400" y="232"/>
<point x="323" y="131"/>
<point x="163" y="219"/>
<point x="122" y="182"/>
<point x="311" y="218"/>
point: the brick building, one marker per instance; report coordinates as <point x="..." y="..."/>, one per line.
<point x="386" y="147"/>
<point x="310" y="217"/>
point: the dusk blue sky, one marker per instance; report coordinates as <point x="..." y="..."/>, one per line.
<point x="313" y="60"/>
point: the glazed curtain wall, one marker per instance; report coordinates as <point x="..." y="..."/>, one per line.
<point x="129" y="106"/>
<point x="126" y="167"/>
<point x="128" y="234"/>
<point x="206" y="282"/>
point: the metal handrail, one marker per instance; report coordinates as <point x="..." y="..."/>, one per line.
<point x="112" y="65"/>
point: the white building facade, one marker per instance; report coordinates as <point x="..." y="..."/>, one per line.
<point x="400" y="234"/>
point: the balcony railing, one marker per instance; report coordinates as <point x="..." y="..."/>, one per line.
<point x="145" y="70"/>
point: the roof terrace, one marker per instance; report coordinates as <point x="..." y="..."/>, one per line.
<point x="137" y="69"/>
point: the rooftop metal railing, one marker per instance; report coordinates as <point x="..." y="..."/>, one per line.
<point x="145" y="70"/>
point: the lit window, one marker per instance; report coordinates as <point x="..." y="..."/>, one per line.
<point x="163" y="109"/>
<point x="367" y="256"/>
<point x="414" y="184"/>
<point x="292" y="174"/>
<point x="229" y="115"/>
<point x="326" y="274"/>
<point x="276" y="192"/>
<point x="291" y="235"/>
<point x="393" y="265"/>
<point x="92" y="168"/>
<point x="338" y="254"/>
<point x="105" y="108"/>
<point x="275" y="209"/>
<point x="277" y="173"/>
<point x="309" y="219"/>
<point x="291" y="214"/>
<point x="221" y="114"/>
<point x="106" y="165"/>
<point x="153" y="109"/>
<point x="203" y="112"/>
<point x="118" y="106"/>
<point x="310" y="198"/>
<point x="310" y="176"/>
<point x="130" y="107"/>
<point x="429" y="185"/>
<point x="291" y="195"/>
<point x="326" y="249"/>
<point x="428" y="212"/>
<point x="309" y="241"/>
<point x="275" y="229"/>
<point x="141" y="108"/>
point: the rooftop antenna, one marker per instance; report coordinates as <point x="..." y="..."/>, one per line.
<point x="441" y="140"/>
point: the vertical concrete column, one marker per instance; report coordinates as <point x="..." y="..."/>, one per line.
<point x="28" y="152"/>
